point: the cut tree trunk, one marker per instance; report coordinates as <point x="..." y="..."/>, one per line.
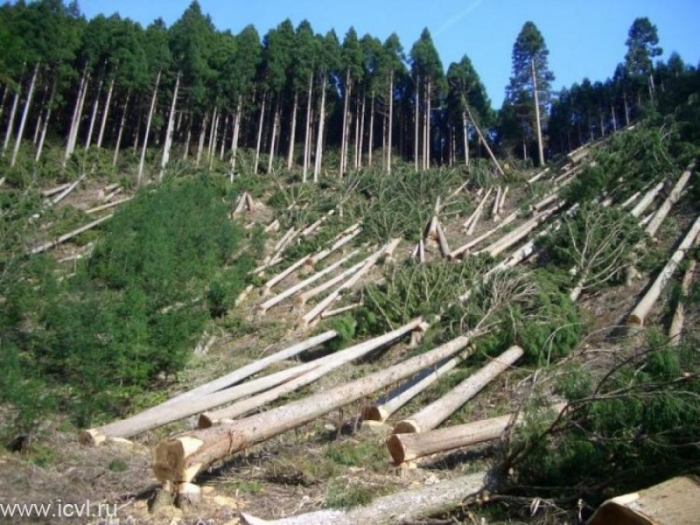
<point x="432" y="415"/>
<point x="122" y="124"/>
<point x="25" y="113"/>
<point x="105" y="113"/>
<point x="442" y="239"/>
<point x="538" y="123"/>
<point x="130" y="426"/>
<point x="646" y="200"/>
<point x="11" y="121"/>
<point x="389" y="134"/>
<point x="293" y="132"/>
<point x="63" y="238"/>
<point x="93" y="115"/>
<point x="264" y="307"/>
<point x="674" y="333"/>
<point x="538" y="176"/>
<point x="108" y="206"/>
<point x="302" y="299"/>
<point x="321" y="124"/>
<point x="329" y="363"/>
<point x="68" y="190"/>
<point x="45" y="125"/>
<point x="673" y="197"/>
<point x="519" y="233"/>
<point x="486" y="145"/>
<point x="181" y="458"/>
<point x="496" y="204"/>
<point x="151" y="111"/>
<point x="462" y="250"/>
<point x="407" y="447"/>
<point x="473" y="219"/>
<point x="408" y="506"/>
<point x="169" y="130"/>
<point x="644" y="306"/>
<point x="275" y="133"/>
<point x="368" y="265"/>
<point x="384" y="408"/>
<point x="260" y="134"/>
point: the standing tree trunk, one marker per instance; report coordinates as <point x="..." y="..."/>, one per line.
<point x="426" y="126"/>
<point x="23" y="122"/>
<point x="75" y="119"/>
<point x="307" y="131"/>
<point x="93" y="116"/>
<point x="344" y="136"/>
<point x="293" y="131"/>
<point x="321" y="124"/>
<point x="416" y="116"/>
<point x="371" y="132"/>
<point x="45" y="125"/>
<point x="122" y="124"/>
<point x="169" y="130"/>
<point x="105" y="113"/>
<point x="151" y="111"/>
<point x="11" y="121"/>
<point x="260" y="132"/>
<point x="275" y="132"/>
<point x="465" y="133"/>
<point x="202" y="137"/>
<point x="222" y="148"/>
<point x="361" y="133"/>
<point x="391" y="123"/>
<point x="234" y="139"/>
<point x="213" y="136"/>
<point x="538" y="124"/>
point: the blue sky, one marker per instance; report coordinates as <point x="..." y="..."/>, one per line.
<point x="586" y="38"/>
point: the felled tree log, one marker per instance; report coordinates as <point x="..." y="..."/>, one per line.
<point x="108" y="206"/>
<point x="519" y="233"/>
<point x="442" y="240"/>
<point x="312" y="228"/>
<point x="326" y="365"/>
<point x="459" y="252"/>
<point x="646" y="200"/>
<point x="483" y="141"/>
<point x="538" y="176"/>
<point x="384" y="408"/>
<point x="437" y="412"/>
<point x="341" y="310"/>
<point x="63" y="238"/>
<point x="302" y="299"/>
<point x="674" y="333"/>
<point x="180" y="459"/>
<point x="673" y="197"/>
<point x="335" y="295"/>
<point x="502" y="204"/>
<point x="53" y="191"/>
<point x="473" y="220"/>
<point x="407" y="447"/>
<point x="284" y="274"/>
<point x="402" y="507"/>
<point x="496" y="204"/>
<point x="264" y="307"/>
<point x="67" y="191"/>
<point x="642" y="309"/>
<point x="630" y="201"/>
<point x="339" y="243"/>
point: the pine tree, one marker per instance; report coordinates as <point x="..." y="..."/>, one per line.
<point x="529" y="88"/>
<point x="642" y="46"/>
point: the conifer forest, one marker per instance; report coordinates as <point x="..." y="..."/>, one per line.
<point x="320" y="278"/>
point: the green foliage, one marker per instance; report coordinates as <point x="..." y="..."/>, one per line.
<point x="636" y="426"/>
<point x="131" y="313"/>
<point x="341" y="495"/>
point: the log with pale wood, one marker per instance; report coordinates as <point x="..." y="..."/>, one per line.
<point x="303" y="298"/>
<point x="496" y="204"/>
<point x="471" y="223"/>
<point x="68" y="236"/>
<point x="538" y="176"/>
<point x="313" y="227"/>
<point x="337" y="244"/>
<point x="440" y="410"/>
<point x="519" y="233"/>
<point x="673" y="197"/>
<point x="264" y="307"/>
<point x="406" y="506"/>
<point x="674" y="332"/>
<point x="284" y="274"/>
<point x="502" y="204"/>
<point x="442" y="240"/>
<point x="325" y="365"/>
<point x="209" y="395"/>
<point x="647" y="199"/>
<point x="384" y="408"/>
<point x="462" y="250"/>
<point x="369" y="263"/>
<point x="108" y="205"/>
<point x="486" y="144"/>
<point x="407" y="447"/>
<point x="179" y="459"/>
<point x="53" y="191"/>
<point x="67" y="191"/>
<point x="636" y="318"/>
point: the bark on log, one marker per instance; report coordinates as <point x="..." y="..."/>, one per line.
<point x="326" y="365"/>
<point x="339" y="243"/>
<point x="284" y="274"/>
<point x="459" y="252"/>
<point x="444" y="247"/>
<point x="70" y="235"/>
<point x="640" y="312"/>
<point x="437" y="412"/>
<point x="519" y="233"/>
<point x="471" y="222"/>
<point x="108" y="206"/>
<point x="502" y="205"/>
<point x="67" y="191"/>
<point x="264" y="307"/>
<point x="407" y="447"/>
<point x="538" y="176"/>
<point x="179" y="459"/>
<point x="674" y="333"/>
<point x="646" y="200"/>
<point x="406" y="506"/>
<point x="341" y="310"/>
<point x="301" y="299"/>
<point x="134" y="425"/>
<point x="496" y="204"/>
<point x="384" y="408"/>
<point x="630" y="201"/>
<point x="673" y="197"/>
<point x="366" y="267"/>
<point x="53" y="191"/>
